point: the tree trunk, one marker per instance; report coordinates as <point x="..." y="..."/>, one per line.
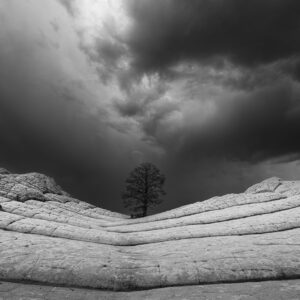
<point x="145" y="206"/>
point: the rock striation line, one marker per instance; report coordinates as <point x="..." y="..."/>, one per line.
<point x="49" y="237"/>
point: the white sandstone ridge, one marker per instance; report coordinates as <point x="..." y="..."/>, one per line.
<point x="49" y="237"/>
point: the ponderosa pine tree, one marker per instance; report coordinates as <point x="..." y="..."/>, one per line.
<point x="144" y="188"/>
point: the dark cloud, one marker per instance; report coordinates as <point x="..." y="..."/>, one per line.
<point x="106" y="53"/>
<point x="207" y="90"/>
<point x="64" y="141"/>
<point x="246" y="32"/>
<point x="291" y="67"/>
<point x="138" y="99"/>
<point x="50" y="121"/>
<point x="152" y="124"/>
<point x="149" y="107"/>
<point x="248" y="49"/>
<point x="250" y="127"/>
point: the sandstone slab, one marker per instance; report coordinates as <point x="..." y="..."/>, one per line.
<point x="264" y="290"/>
<point x="47" y="236"/>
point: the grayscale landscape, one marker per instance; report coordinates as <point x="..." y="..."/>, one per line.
<point x="48" y="237"/>
<point x="149" y="149"/>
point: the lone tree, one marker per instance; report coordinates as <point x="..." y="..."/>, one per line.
<point x="144" y="187"/>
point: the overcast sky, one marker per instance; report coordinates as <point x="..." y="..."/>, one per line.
<point x="208" y="90"/>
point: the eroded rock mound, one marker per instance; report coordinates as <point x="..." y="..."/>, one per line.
<point x="48" y="236"/>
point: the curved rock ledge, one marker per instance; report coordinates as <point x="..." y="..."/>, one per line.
<point x="47" y="236"/>
<point x="264" y="290"/>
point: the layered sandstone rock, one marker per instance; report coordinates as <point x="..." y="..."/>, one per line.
<point x="263" y="290"/>
<point x="50" y="237"/>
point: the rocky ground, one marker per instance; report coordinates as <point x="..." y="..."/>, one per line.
<point x="46" y="236"/>
<point x="264" y="290"/>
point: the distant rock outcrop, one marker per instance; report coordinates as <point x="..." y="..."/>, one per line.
<point x="47" y="236"/>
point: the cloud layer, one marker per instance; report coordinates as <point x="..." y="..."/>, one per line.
<point x="208" y="90"/>
<point x="247" y="33"/>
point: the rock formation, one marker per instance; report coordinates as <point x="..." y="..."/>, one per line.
<point x="49" y="237"/>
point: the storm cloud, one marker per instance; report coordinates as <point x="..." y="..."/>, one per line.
<point x="247" y="50"/>
<point x="247" y="33"/>
<point x="207" y="90"/>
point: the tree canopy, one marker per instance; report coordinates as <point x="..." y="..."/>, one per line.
<point x="144" y="188"/>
